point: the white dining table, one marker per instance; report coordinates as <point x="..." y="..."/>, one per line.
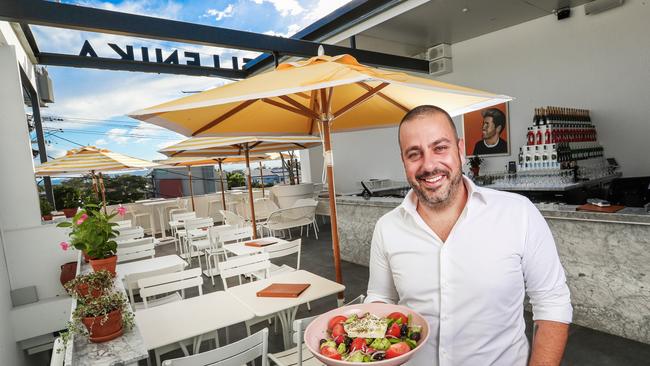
<point x="284" y="307"/>
<point x="147" y="265"/>
<point x="242" y="249"/>
<point x="190" y="319"/>
<point x="160" y="205"/>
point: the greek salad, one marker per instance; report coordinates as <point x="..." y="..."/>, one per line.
<point x="369" y="338"/>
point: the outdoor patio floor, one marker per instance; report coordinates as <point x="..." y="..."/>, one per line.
<point x="585" y="347"/>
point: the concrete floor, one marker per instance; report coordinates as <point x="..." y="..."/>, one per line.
<point x="585" y="347"/>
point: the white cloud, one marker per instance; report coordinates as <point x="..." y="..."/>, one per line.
<point x="284" y="7"/>
<point x="55" y="151"/>
<point x="117" y="135"/>
<point x="165" y="9"/>
<point x="101" y="142"/>
<point x="323" y="8"/>
<point x="220" y="14"/>
<point x="291" y="30"/>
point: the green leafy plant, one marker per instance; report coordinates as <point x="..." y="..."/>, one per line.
<point x="98" y="307"/>
<point x="46" y="207"/>
<point x="475" y="162"/>
<point x="86" y="285"/>
<point x="92" y="232"/>
<point x="235" y="179"/>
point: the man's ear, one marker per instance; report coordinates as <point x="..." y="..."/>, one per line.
<point x="461" y="150"/>
<point x="499" y="130"/>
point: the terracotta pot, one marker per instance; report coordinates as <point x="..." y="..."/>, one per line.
<point x="47" y="217"/>
<point x="111" y="329"/>
<point x="86" y="257"/>
<point x="475" y="171"/>
<point x="69" y="212"/>
<point x="68" y="272"/>
<point x="83" y="289"/>
<point x="106" y="263"/>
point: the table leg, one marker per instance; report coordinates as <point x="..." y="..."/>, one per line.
<point x="163" y="232"/>
<point x="286" y="320"/>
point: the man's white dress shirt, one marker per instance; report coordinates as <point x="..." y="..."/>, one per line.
<point x="471" y="287"/>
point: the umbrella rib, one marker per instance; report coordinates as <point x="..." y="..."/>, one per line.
<point x="298" y="105"/>
<point x="251" y="147"/>
<point x="303" y="94"/>
<point x="225" y="116"/>
<point x="284" y="106"/>
<point x="300" y="145"/>
<point x="360" y="100"/>
<point x="313" y="105"/>
<point x="385" y="97"/>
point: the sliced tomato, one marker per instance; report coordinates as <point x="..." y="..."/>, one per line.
<point x="330" y="352"/>
<point x="336" y="320"/>
<point x="394" y="330"/>
<point x="358" y="344"/>
<point x="397" y="349"/>
<point x="338" y="330"/>
<point x="397" y="315"/>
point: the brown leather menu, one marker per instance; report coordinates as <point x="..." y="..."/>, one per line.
<point x="283" y="290"/>
<point x="260" y="243"/>
<point x="594" y="208"/>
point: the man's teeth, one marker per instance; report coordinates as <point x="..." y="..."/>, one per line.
<point x="433" y="179"/>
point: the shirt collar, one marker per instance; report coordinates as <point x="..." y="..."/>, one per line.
<point x="474" y="194"/>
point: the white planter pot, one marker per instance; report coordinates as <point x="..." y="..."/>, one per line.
<point x="285" y="195"/>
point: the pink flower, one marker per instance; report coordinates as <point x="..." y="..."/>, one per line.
<point x="64" y="245"/>
<point x="121" y="210"/>
<point x="81" y="219"/>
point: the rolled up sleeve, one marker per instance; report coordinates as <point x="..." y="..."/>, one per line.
<point x="380" y="283"/>
<point x="543" y="273"/>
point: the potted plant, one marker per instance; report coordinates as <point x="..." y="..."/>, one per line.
<point x="93" y="233"/>
<point x="474" y="164"/>
<point x="46" y="209"/>
<point x="93" y="284"/>
<point x="101" y="318"/>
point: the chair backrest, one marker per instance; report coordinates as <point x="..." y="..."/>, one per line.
<point x="170" y="282"/>
<point x="123" y="244"/>
<point x="235" y="234"/>
<point x="244" y="264"/>
<point x="135" y="252"/>
<point x="305" y="202"/>
<point x="285" y="249"/>
<point x="200" y="223"/>
<point x="232" y="218"/>
<point x="130" y="233"/>
<point x="123" y="224"/>
<point x="58" y="353"/>
<point x="131" y="280"/>
<point x="214" y="232"/>
<point x="289" y="215"/>
<point x="233" y="354"/>
<point x="183" y="216"/>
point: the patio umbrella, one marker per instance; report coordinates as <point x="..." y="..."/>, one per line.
<point x="227" y="146"/>
<point x="317" y="96"/>
<point x="200" y="161"/>
<point x="90" y="159"/>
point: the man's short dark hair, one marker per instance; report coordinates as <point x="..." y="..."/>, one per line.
<point x="426" y="110"/>
<point x="498" y="117"/>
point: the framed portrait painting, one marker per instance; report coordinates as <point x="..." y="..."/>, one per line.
<point x="487" y="131"/>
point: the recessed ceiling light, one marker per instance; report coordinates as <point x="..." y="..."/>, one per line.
<point x="465" y="10"/>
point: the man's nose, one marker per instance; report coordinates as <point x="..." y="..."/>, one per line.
<point x="429" y="161"/>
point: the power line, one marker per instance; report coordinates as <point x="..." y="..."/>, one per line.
<point x="65" y="139"/>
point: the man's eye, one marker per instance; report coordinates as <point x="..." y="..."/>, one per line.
<point x="441" y="148"/>
<point x="412" y="155"/>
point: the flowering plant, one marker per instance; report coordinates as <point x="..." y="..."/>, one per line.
<point x="89" y="284"/>
<point x="92" y="232"/>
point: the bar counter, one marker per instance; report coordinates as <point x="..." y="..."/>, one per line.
<point x="606" y="257"/>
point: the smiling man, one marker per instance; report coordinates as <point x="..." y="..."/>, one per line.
<point x="464" y="257"/>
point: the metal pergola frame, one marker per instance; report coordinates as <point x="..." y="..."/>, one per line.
<point x="46" y="13"/>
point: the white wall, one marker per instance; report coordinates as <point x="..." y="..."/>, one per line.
<point x="10" y="354"/>
<point x="599" y="62"/>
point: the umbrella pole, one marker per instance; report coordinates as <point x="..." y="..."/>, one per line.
<point x="103" y="189"/>
<point x="189" y="173"/>
<point x="262" y="178"/>
<point x="250" y="192"/>
<point x="94" y="180"/>
<point x="283" y="168"/>
<point x="327" y="146"/>
<point x="297" y="172"/>
<point x="223" y="194"/>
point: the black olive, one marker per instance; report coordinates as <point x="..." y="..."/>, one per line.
<point x="379" y="356"/>
<point x="404" y="330"/>
<point x="348" y="341"/>
<point x="322" y="341"/>
<point x="415" y="336"/>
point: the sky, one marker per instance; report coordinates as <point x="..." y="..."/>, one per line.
<point x="91" y="106"/>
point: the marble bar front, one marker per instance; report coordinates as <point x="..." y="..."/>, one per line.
<point x="606" y="257"/>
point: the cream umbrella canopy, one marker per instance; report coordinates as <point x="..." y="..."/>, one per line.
<point x="189" y="162"/>
<point x="226" y="146"/>
<point x="321" y="95"/>
<point x="90" y="159"/>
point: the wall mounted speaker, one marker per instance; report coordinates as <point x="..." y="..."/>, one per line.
<point x="440" y="66"/>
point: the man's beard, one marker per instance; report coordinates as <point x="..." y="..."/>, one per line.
<point x="441" y="197"/>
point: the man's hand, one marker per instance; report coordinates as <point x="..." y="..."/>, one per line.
<point x="549" y="342"/>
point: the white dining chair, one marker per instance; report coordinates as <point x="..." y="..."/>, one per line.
<point x="196" y="243"/>
<point x="122" y="224"/>
<point x="234" y="354"/>
<point x="129" y="233"/>
<point x="300" y="354"/>
<point x="135" y="242"/>
<point x="232" y="219"/>
<point x="131" y="280"/>
<point x="131" y="253"/>
<point x="219" y="237"/>
<point x="139" y="212"/>
<point x="177" y="225"/>
<point x="58" y="352"/>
